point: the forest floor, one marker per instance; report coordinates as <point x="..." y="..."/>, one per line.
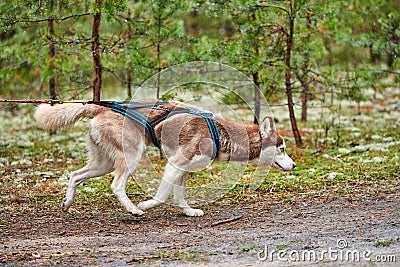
<point x="340" y="232"/>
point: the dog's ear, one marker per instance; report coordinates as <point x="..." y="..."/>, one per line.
<point x="267" y="127"/>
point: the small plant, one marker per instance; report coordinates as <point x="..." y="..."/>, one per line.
<point x="282" y="246"/>
<point x="385" y="243"/>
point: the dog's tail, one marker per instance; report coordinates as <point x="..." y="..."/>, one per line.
<point x="64" y="115"/>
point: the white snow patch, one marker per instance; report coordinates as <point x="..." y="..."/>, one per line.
<point x="374" y="159"/>
<point x="333" y="175"/>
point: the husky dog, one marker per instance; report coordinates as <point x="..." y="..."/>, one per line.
<point x="116" y="143"/>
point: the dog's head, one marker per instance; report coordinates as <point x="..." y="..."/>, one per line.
<point x="273" y="151"/>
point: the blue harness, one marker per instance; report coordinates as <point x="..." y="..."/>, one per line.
<point x="128" y="109"/>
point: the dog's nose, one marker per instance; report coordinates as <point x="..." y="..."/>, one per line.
<point x="294" y="165"/>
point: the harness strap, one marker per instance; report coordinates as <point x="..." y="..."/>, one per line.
<point x="129" y="111"/>
<point x="138" y="117"/>
<point x="127" y="108"/>
<point x="213" y="128"/>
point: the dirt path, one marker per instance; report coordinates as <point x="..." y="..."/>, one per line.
<point x="228" y="234"/>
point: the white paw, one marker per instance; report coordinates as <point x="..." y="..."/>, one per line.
<point x="145" y="205"/>
<point x="137" y="212"/>
<point x="65" y="205"/>
<point x="193" y="212"/>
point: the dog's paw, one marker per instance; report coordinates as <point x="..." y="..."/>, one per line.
<point x="193" y="212"/>
<point x="137" y="212"/>
<point x="145" y="205"/>
<point x="65" y="206"/>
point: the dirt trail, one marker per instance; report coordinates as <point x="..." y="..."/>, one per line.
<point x="228" y="234"/>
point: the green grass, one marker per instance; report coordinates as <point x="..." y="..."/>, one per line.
<point x="282" y="246"/>
<point x="171" y="255"/>
<point x="384" y="243"/>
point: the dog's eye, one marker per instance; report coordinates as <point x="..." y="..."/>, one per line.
<point x="282" y="149"/>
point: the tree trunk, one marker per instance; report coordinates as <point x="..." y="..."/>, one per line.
<point x="52" y="82"/>
<point x="304" y="95"/>
<point x="390" y="60"/>
<point x="257" y="107"/>
<point x="302" y="77"/>
<point x="193" y="25"/>
<point x="159" y="25"/>
<point x="375" y="57"/>
<point x="256" y="81"/>
<point x="130" y="36"/>
<point x="159" y="69"/>
<point x="96" y="52"/>
<point x="328" y="48"/>
<point x="129" y="86"/>
<point x="289" y="45"/>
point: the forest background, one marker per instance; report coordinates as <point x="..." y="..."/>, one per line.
<point x="304" y="51"/>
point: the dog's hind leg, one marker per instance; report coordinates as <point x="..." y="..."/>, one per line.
<point x="118" y="186"/>
<point x="98" y="165"/>
<point x="179" y="198"/>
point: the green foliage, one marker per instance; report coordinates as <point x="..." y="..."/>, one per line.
<point x="339" y="44"/>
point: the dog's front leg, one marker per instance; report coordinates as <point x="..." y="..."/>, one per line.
<point x="179" y="198"/>
<point x="171" y="177"/>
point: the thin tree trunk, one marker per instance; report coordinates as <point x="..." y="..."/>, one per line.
<point x="257" y="107"/>
<point x="52" y="83"/>
<point x="390" y="60"/>
<point x="375" y="57"/>
<point x="96" y="52"/>
<point x="129" y="86"/>
<point x="304" y="95"/>
<point x="159" y="49"/>
<point x="256" y="81"/>
<point x="159" y="70"/>
<point x="289" y="45"/>
<point x="130" y="36"/>
<point x="194" y="23"/>
<point x="328" y="47"/>
<point x="303" y="76"/>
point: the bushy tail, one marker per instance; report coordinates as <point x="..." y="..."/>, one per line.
<point x="64" y="115"/>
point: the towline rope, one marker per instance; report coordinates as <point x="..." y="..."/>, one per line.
<point x="45" y="101"/>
